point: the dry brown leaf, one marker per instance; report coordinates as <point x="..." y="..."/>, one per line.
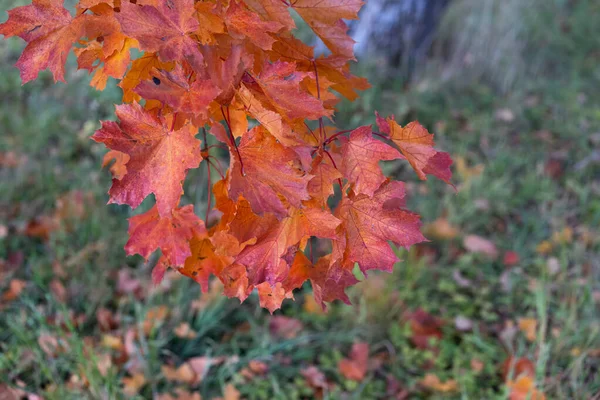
<point x="112" y="342"/>
<point x="523" y="388"/>
<point x="432" y="382"/>
<point x="184" y="373"/>
<point x="103" y="363"/>
<point x="154" y="317"/>
<point x="184" y="331"/>
<point x="478" y="244"/>
<point x="424" y="327"/>
<point x="477" y="365"/>
<point x="58" y="290"/>
<point x="133" y="384"/>
<point x="285" y="327"/>
<point x="563" y="237"/>
<point x="51" y="345"/>
<point x="544" y="247"/>
<point x="519" y="367"/>
<point x="311" y="306"/>
<point x="441" y="229"/>
<point x="106" y="319"/>
<point x="467" y="173"/>
<point x="15" y="288"/>
<point x="528" y="326"/>
<point x="355" y="367"/>
<point x="315" y="378"/>
<point x="230" y="393"/>
<point x="180" y="394"/>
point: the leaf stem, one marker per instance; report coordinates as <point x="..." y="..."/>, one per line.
<point x="321" y="128"/>
<point x="334" y="166"/>
<point x="208" y="164"/>
<point x="232" y="140"/>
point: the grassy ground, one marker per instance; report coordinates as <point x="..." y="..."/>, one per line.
<point x="78" y="319"/>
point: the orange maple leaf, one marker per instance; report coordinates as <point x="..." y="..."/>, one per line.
<point x="172" y="233"/>
<point x="159" y="157"/>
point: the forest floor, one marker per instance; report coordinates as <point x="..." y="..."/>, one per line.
<point x="502" y="302"/>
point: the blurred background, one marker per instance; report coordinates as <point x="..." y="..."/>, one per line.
<point x="503" y="302"/>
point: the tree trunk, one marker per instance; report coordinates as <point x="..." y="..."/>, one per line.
<point x="397" y="33"/>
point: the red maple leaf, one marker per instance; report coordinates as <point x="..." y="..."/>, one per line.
<point x="171" y="233"/>
<point x="165" y="29"/>
<point x="369" y="223"/>
<point x="158" y="157"/>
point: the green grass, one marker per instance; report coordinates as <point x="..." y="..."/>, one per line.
<point x="515" y="202"/>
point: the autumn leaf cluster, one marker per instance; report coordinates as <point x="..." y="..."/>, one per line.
<point x="300" y="200"/>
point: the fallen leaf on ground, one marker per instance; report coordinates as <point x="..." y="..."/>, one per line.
<point x="311" y="306"/>
<point x="133" y="384"/>
<point x="254" y="368"/>
<point x="106" y="320"/>
<point x="230" y="393"/>
<point x="285" y="327"/>
<point x="433" y="382"/>
<point x="505" y="115"/>
<point x="477" y="365"/>
<point x="520" y="366"/>
<point x="355" y="367"/>
<point x="155" y="316"/>
<point x="463" y="323"/>
<point x="523" y="388"/>
<point x="112" y="342"/>
<point x="184" y="331"/>
<point x="51" y="345"/>
<point x="528" y="327"/>
<point x="103" y="363"/>
<point x="184" y="373"/>
<point x="441" y="229"/>
<point x="544" y="247"/>
<point x="41" y="227"/>
<point x="563" y="237"/>
<point x="424" y="327"/>
<point x="465" y="172"/>
<point x="58" y="290"/>
<point x="511" y="258"/>
<point x="314" y="377"/>
<point x="180" y="394"/>
<point x="478" y="244"/>
<point x="15" y="288"/>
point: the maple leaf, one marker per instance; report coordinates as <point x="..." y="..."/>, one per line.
<point x="171" y="233"/>
<point x="173" y="88"/>
<point x="271" y="296"/>
<point x="272" y="10"/>
<point x="329" y="281"/>
<point x="235" y="282"/>
<point x="360" y="160"/>
<point x="334" y="68"/>
<point x="264" y="259"/>
<point x="203" y="62"/>
<point x="355" y="367"/>
<point x="141" y="70"/>
<point x="203" y="262"/>
<point x="279" y="83"/>
<point x="325" y="18"/>
<point x="370" y="222"/>
<point x="320" y="187"/>
<point x="416" y="144"/>
<point x="159" y="157"/>
<point x="226" y="73"/>
<point x="49" y="30"/>
<point x="243" y="23"/>
<point x="119" y="168"/>
<point x="164" y="29"/>
<point x="268" y="171"/>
